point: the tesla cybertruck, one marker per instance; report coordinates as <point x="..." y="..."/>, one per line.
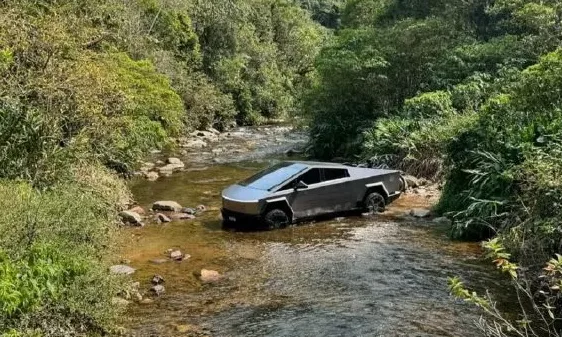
<point x="292" y="191"/>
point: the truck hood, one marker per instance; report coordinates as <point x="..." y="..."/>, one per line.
<point x="244" y="194"/>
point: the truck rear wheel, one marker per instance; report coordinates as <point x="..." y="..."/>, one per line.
<point x="374" y="203"/>
<point x="276" y="218"/>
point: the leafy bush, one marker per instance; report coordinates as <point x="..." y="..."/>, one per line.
<point x="53" y="246"/>
<point x="429" y="105"/>
<point x="415" y="146"/>
<point x="506" y="166"/>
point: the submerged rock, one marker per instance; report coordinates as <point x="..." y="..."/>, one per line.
<point x="209" y="276"/>
<point x="188" y="210"/>
<point x="158" y="289"/>
<point x="174" y="161"/>
<point x="122" y="269"/>
<point x="420" y="213"/>
<point x="163" y="218"/>
<point x="201" y="208"/>
<point x="131" y="217"/>
<point x="171" y="206"/>
<point x="152" y="176"/>
<point x="176" y="255"/>
<point x="157" y="279"/>
<point x="138" y="210"/>
<point x="182" y="216"/>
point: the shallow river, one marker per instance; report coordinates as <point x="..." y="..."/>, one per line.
<point x="355" y="276"/>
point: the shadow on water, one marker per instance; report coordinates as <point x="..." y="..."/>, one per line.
<point x="350" y="276"/>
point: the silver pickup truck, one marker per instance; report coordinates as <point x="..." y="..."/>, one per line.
<point x="297" y="190"/>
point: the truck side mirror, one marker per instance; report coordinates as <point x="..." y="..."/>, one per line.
<point x="300" y="185"/>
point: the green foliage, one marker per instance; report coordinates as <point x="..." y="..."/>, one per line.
<point x="260" y="52"/>
<point x="407" y="57"/>
<point x="52" y="250"/>
<point x="428" y="105"/>
<point x="506" y="165"/>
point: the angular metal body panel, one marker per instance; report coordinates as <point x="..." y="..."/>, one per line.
<point x="273" y="188"/>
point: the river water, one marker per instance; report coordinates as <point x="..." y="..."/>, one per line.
<point x="354" y="276"/>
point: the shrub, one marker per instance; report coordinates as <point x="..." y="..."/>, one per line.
<point x="53" y="245"/>
<point x="414" y="145"/>
<point x="506" y="166"/>
<point x="429" y="105"/>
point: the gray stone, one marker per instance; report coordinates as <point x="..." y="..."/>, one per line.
<point x="171" y="206"/>
<point x="175" y="161"/>
<point x="209" y="276"/>
<point x="151" y="176"/>
<point x="170" y="168"/>
<point x="157" y="279"/>
<point x="201" y="208"/>
<point x="182" y="216"/>
<point x="188" y="210"/>
<point x="163" y="218"/>
<point x="121" y="269"/>
<point x="420" y="213"/>
<point x="194" y="144"/>
<point x="158" y="289"/>
<point x="131" y="217"/>
<point x="176" y="255"/>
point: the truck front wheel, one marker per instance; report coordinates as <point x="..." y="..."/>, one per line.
<point x="276" y="219"/>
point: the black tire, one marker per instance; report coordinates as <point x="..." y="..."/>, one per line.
<point x="374" y="203"/>
<point x="276" y="219"/>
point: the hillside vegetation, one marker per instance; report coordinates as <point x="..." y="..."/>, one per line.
<point x="87" y="88"/>
<point x="467" y="92"/>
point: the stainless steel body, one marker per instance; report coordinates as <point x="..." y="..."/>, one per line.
<point x="325" y="188"/>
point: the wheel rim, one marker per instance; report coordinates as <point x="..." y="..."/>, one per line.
<point x="278" y="220"/>
<point x="375" y="204"/>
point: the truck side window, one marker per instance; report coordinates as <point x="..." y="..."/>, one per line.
<point x="311" y="177"/>
<point x="333" y="174"/>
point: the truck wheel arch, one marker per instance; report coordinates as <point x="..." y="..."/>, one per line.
<point x="281" y="204"/>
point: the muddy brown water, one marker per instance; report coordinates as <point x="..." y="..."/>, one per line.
<point x="353" y="276"/>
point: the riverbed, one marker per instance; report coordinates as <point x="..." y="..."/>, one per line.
<point x="355" y="276"/>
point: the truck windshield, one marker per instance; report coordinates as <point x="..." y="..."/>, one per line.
<point x="274" y="176"/>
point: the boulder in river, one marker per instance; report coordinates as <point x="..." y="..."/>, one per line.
<point x="420" y="213"/>
<point x="151" y="176"/>
<point x="201" y="208"/>
<point x="188" y="210"/>
<point x="131" y="217"/>
<point x="157" y="279"/>
<point x="209" y="276"/>
<point x="121" y="269"/>
<point x="176" y="255"/>
<point x="139" y="210"/>
<point x="170" y="206"/>
<point x="163" y="218"/>
<point x="158" y="289"/>
<point x="174" y="161"/>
